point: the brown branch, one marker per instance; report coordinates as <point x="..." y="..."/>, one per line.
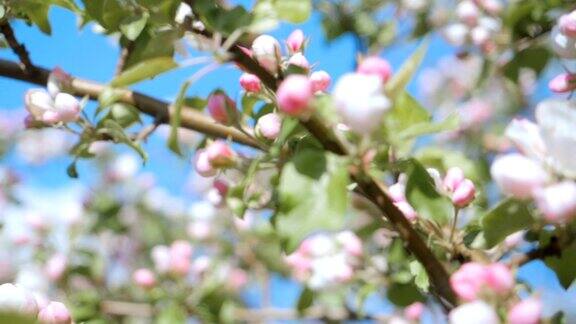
<point x="371" y="188"/>
<point x="553" y="248"/>
<point x="190" y="118"/>
<point x="17" y="48"/>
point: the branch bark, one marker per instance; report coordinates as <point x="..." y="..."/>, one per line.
<point x="18" y="49"/>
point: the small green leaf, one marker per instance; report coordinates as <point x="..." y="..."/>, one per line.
<point x="109" y="96"/>
<point x="294" y="11"/>
<point x="175" y="119"/>
<point x="535" y="58"/>
<point x="506" y="218"/>
<point x="133" y="26"/>
<point x="422" y="194"/>
<point x="400" y="79"/>
<point x="312" y="196"/>
<point x="450" y="123"/>
<point x="144" y="70"/>
<point x="420" y="276"/>
<point x="564" y="266"/>
<point x="402" y="294"/>
<point x="117" y="132"/>
<point x="72" y="171"/>
<point x="195" y="103"/>
<point x="305" y="300"/>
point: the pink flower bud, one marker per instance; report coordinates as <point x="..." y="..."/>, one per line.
<point x="527" y="311"/>
<point x="557" y="202"/>
<point x="294" y="95"/>
<point x="202" y="164"/>
<point x="414" y="311"/>
<point x="14" y="298"/>
<point x="298" y="59"/>
<point x="220" y="154"/>
<point x="250" y="83"/>
<point x="517" y="175"/>
<point x="565" y="82"/>
<point x="58" y="80"/>
<point x="477" y="312"/>
<point x="468" y="280"/>
<point x="180" y="265"/>
<point x="454" y="177"/>
<point x="567" y="24"/>
<point x="295" y="41"/>
<point x="468" y="12"/>
<point x="464" y="194"/>
<point x="55" y="313"/>
<point x="56" y="266"/>
<point x="499" y="278"/>
<point x="144" y="278"/>
<point x="181" y="248"/>
<point x="67" y="107"/>
<point x="269" y="126"/>
<point x="320" y="81"/>
<point x="375" y="65"/>
<point x="219" y="107"/>
<point x="266" y="50"/>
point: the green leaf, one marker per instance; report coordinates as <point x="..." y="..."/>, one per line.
<point x="39" y="16"/>
<point x="294" y="11"/>
<point x="248" y="102"/>
<point x="172" y="314"/>
<point x="312" y="196"/>
<point x="305" y="300"/>
<point x="195" y="103"/>
<point x="421" y="279"/>
<point x="506" y="218"/>
<point x="535" y="58"/>
<point x="117" y="132"/>
<point x="175" y="119"/>
<point x="564" y="266"/>
<point x="133" y="26"/>
<point x="125" y="115"/>
<point x="450" y="123"/>
<point x="400" y="79"/>
<point x="422" y="195"/>
<point x="402" y="294"/>
<point x="109" y="96"/>
<point x="72" y="171"/>
<point x="144" y="70"/>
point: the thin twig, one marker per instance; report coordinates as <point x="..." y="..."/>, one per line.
<point x="18" y="48"/>
<point x="124" y="56"/>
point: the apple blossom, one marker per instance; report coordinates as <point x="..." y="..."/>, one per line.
<point x="375" y="65"/>
<point x="295" y="41"/>
<point x="527" y="311"/>
<point x="269" y="126"/>
<point x="266" y="50"/>
<point x="250" y="82"/>
<point x="526" y="137"/>
<point x="557" y="202"/>
<point x="320" y="81"/>
<point x="477" y="312"/>
<point x="144" y="278"/>
<point x="499" y="278"/>
<point x="184" y="11"/>
<point x="468" y="280"/>
<point x="55" y="313"/>
<point x="518" y="175"/>
<point x="414" y="311"/>
<point x="456" y="34"/>
<point x="220" y="154"/>
<point x="294" y="95"/>
<point x="556" y="119"/>
<point x="58" y="80"/>
<point x="56" y="266"/>
<point x="565" y="82"/>
<point x="14" y="298"/>
<point x="63" y="108"/>
<point x="202" y="164"/>
<point x="220" y="106"/>
<point x="567" y="24"/>
<point x="360" y="101"/>
<point x="467" y="12"/>
<point x="454" y="177"/>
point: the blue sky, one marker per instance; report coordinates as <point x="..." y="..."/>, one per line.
<point x="92" y="56"/>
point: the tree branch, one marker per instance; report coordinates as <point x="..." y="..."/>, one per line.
<point x="191" y="118"/>
<point x="17" y="48"/>
<point x="124" y="56"/>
